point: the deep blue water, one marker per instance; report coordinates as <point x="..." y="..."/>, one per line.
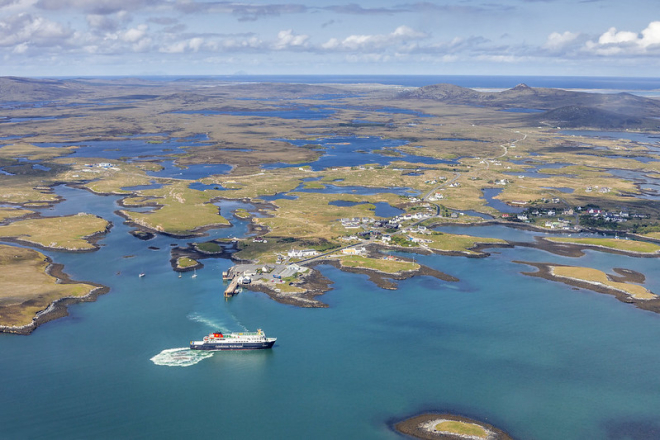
<point x="189" y="172"/>
<point x="539" y="359"/>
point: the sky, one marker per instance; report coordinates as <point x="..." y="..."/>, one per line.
<point x="384" y="37"/>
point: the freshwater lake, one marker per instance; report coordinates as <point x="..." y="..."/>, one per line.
<point x="538" y="359"/>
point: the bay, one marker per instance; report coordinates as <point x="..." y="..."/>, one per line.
<point x="536" y="358"/>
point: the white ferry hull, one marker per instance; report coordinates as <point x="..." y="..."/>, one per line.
<point x="234" y="341"/>
<point x="201" y="345"/>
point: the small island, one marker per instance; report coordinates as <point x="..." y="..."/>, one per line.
<point x="625" y="285"/>
<point x="433" y="426"/>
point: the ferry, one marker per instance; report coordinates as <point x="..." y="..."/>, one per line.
<point x="234" y="341"/>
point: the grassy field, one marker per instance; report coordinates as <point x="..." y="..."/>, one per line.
<point x="27" y="288"/>
<point x="455" y="242"/>
<point x="33" y="152"/>
<point x="24" y="190"/>
<point x="382" y="265"/>
<point x="462" y="428"/>
<point x="655" y="235"/>
<point x="10" y="213"/>
<point x="267" y="182"/>
<point x="69" y="232"/>
<point x="209" y="246"/>
<point x="181" y="210"/>
<point x="242" y="213"/>
<point x="311" y="216"/>
<point x="184" y="262"/>
<point x="612" y="243"/>
<point x="596" y="276"/>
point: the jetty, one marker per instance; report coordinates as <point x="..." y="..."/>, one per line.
<point x="231" y="289"/>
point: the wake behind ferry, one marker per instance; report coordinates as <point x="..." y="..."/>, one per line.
<point x="234" y="341"/>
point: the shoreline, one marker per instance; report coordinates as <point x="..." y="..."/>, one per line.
<point x="422" y="426"/>
<point x="544" y="270"/>
<point x="58" y="308"/>
<point x="316" y="284"/>
<point x="92" y="239"/>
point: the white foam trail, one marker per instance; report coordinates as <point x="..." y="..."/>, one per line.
<point x="215" y="325"/>
<point x="180" y="357"/>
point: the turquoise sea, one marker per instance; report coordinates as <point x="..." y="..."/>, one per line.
<point x="538" y="359"/>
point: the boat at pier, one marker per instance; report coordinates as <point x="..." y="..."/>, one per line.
<point x="234" y="341"/>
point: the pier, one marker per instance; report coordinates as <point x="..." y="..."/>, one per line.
<point x="233" y="285"/>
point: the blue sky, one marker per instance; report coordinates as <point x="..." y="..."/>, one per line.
<point x="209" y="37"/>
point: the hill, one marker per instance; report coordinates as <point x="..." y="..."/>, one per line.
<point x="562" y="107"/>
<point x="15" y="89"/>
<point x="575" y="116"/>
<point x="523" y="96"/>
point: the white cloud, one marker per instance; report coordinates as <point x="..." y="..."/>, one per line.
<point x="21" y="48"/>
<point x="651" y="35"/>
<point x="626" y="43"/>
<point x="287" y="40"/>
<point x="133" y="35"/>
<point x="374" y="42"/>
<point x="189" y="45"/>
<point x="614" y="37"/>
<point x="37" y="31"/>
<point x="557" y="41"/>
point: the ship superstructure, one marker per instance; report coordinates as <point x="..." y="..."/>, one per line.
<point x="234" y="341"/>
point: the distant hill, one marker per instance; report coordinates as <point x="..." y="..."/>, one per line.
<point x="29" y="90"/>
<point x="575" y="116"/>
<point x="571" y="108"/>
<point x="281" y="90"/>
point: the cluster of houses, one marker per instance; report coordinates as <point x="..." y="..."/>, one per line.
<point x="94" y="167"/>
<point x="608" y="216"/>
<point x="602" y="189"/>
<point x="302" y="253"/>
<point x="412" y="216"/>
<point x="561" y="223"/>
<point x="356" y="222"/>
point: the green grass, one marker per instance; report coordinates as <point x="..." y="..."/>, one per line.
<point x="597" y="276"/>
<point x="455" y="242"/>
<point x="242" y="213"/>
<point x="182" y="210"/>
<point x="57" y="232"/>
<point x="209" y="246"/>
<point x="9" y="213"/>
<point x="27" y="288"/>
<point x="388" y="266"/>
<point x="184" y="262"/>
<point x="612" y="243"/>
<point x="462" y="428"/>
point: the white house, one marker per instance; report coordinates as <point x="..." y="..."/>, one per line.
<point x="305" y="253"/>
